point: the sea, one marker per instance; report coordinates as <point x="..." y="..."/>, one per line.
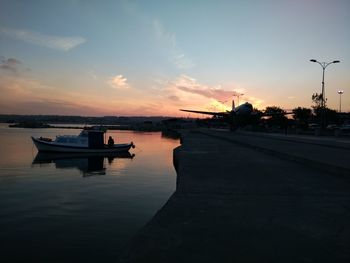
<point x="73" y="208"/>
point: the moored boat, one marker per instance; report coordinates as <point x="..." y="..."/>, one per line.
<point x="90" y="140"/>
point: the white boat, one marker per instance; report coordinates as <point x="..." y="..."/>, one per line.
<point x="88" y="141"/>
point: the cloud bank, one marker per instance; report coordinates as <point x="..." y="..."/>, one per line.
<point x="187" y="92"/>
<point x="20" y="95"/>
<point x="190" y="85"/>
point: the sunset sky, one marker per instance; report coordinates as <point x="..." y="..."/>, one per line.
<point x="96" y="58"/>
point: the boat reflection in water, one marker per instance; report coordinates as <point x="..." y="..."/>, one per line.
<point x="89" y="164"/>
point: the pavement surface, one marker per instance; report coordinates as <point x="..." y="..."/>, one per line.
<point x="244" y="197"/>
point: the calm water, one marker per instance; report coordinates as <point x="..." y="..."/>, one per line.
<point x="78" y="208"/>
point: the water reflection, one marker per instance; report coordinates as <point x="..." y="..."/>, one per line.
<point x="50" y="214"/>
<point x="88" y="164"/>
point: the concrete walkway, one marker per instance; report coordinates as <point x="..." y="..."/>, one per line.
<point x="235" y="202"/>
<point x="325" y="153"/>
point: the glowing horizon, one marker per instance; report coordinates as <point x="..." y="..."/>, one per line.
<point x="133" y="58"/>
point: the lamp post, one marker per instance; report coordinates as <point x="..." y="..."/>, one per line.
<point x="324" y="65"/>
<point x="340" y="92"/>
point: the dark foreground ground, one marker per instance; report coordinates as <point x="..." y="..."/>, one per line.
<point x="244" y="197"/>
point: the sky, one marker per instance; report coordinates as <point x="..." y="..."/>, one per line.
<point x="151" y="58"/>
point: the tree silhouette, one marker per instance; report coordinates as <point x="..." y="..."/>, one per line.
<point x="277" y="116"/>
<point x="330" y="116"/>
<point x="302" y="116"/>
<point x="317" y="99"/>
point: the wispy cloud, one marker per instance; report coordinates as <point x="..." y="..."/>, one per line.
<point x="173" y="98"/>
<point x="168" y="40"/>
<point x="182" y="62"/>
<point x="118" y="82"/>
<point x="48" y="41"/>
<point x="165" y="39"/>
<point x="163" y="35"/>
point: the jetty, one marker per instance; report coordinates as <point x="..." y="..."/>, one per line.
<point x="251" y="197"/>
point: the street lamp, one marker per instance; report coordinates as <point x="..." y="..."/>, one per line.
<point x="340" y="92"/>
<point x="324" y="65"/>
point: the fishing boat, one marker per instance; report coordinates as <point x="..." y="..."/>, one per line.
<point x="90" y="140"/>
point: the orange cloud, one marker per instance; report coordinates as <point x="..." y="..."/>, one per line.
<point x="190" y="85"/>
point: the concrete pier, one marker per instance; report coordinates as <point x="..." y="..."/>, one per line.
<point x="244" y="197"/>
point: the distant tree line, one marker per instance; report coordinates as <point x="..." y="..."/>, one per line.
<point x="302" y="116"/>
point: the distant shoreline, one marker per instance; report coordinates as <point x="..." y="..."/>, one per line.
<point x="134" y="127"/>
<point x="144" y="124"/>
<point x="83" y="120"/>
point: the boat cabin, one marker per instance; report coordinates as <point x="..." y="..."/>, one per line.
<point x="91" y="138"/>
<point x="96" y="140"/>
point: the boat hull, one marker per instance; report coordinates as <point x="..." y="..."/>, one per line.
<point x="47" y="146"/>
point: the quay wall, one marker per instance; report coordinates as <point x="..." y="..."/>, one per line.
<point x="236" y="203"/>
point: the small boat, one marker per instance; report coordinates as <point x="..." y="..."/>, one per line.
<point x="90" y="140"/>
